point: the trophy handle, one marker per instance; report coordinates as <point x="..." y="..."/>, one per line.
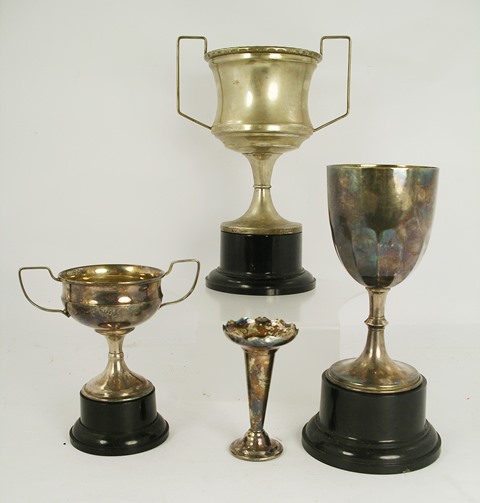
<point x="193" y="37"/>
<point x="63" y="311"/>
<point x="169" y="270"/>
<point x="337" y="37"/>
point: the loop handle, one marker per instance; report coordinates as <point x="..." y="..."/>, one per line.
<point x="169" y="270"/>
<point x="339" y="37"/>
<point x="205" y="43"/>
<point x="63" y="311"/>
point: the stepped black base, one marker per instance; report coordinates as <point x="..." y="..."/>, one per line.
<point x="260" y="264"/>
<point x="118" y="428"/>
<point x="372" y="432"/>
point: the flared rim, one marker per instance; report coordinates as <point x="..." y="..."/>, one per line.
<point x="381" y="166"/>
<point x="262" y="49"/>
<point x="111" y="274"/>
<point x="260" y="332"/>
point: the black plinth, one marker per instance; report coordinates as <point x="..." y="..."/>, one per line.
<point x="118" y="428"/>
<point x="378" y="433"/>
<point x="260" y="264"/>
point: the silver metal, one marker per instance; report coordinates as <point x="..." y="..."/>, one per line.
<point x="349" y="71"/>
<point x="262" y="112"/>
<point x="113" y="299"/>
<point x="22" y="286"/>
<point x="260" y="339"/>
<point x="374" y="371"/>
<point x="194" y="284"/>
<point x="179" y="108"/>
<point x="381" y="218"/>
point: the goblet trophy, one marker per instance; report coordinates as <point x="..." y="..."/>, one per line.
<point x="260" y="339"/>
<point x="372" y="410"/>
<point x="118" y="410"/>
<point x="262" y="112"/>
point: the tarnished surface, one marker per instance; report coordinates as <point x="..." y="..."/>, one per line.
<point x="260" y="339"/>
<point x="111" y="295"/>
<point x="380" y="217"/>
<point x="113" y="299"/>
<point x="261" y="333"/>
<point x="256" y="446"/>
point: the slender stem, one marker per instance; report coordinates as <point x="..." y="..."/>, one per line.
<point x="259" y="366"/>
<point x="116" y="362"/>
<point x="116" y="366"/>
<point x="262" y="168"/>
<point x="375" y="349"/>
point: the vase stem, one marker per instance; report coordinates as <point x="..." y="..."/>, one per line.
<point x="259" y="366"/>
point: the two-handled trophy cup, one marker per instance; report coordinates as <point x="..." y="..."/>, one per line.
<point x="372" y="410"/>
<point x="262" y="112"/>
<point x="118" y="410"/>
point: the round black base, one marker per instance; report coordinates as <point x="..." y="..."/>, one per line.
<point x="380" y="433"/>
<point x="260" y="264"/>
<point x="118" y="428"/>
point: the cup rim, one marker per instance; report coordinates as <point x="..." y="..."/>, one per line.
<point x="72" y="274"/>
<point x="262" y="49"/>
<point x="381" y="166"/>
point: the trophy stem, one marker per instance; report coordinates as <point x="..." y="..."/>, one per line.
<point x="374" y="371"/>
<point x="262" y="168"/>
<point x="375" y="350"/>
<point x="262" y="216"/>
<point x="116" y="365"/>
<point x="261" y="252"/>
<point x="117" y="382"/>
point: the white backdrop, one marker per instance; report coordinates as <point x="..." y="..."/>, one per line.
<point x="96" y="166"/>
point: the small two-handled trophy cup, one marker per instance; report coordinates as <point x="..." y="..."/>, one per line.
<point x="262" y="112"/>
<point x="259" y="338"/>
<point x="118" y="410"/>
<point x="372" y="411"/>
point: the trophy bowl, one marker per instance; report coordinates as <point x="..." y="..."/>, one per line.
<point x="262" y="112"/>
<point x="262" y="108"/>
<point x="118" y="408"/>
<point x="372" y="411"/>
<point x="111" y="296"/>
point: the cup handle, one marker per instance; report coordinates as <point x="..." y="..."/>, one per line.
<point x="63" y="311"/>
<point x="184" y="37"/>
<point x="339" y="37"/>
<point x="169" y="270"/>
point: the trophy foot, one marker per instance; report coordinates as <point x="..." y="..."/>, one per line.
<point x="379" y="433"/>
<point x="261" y="264"/>
<point x="256" y="446"/>
<point x="118" y="428"/>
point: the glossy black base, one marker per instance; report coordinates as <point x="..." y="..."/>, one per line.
<point x="118" y="428"/>
<point x="380" y="433"/>
<point x="258" y="264"/>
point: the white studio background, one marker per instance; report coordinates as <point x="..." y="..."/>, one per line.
<point x="97" y="166"/>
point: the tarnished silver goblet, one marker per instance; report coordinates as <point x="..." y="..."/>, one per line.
<point x="372" y="413"/>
